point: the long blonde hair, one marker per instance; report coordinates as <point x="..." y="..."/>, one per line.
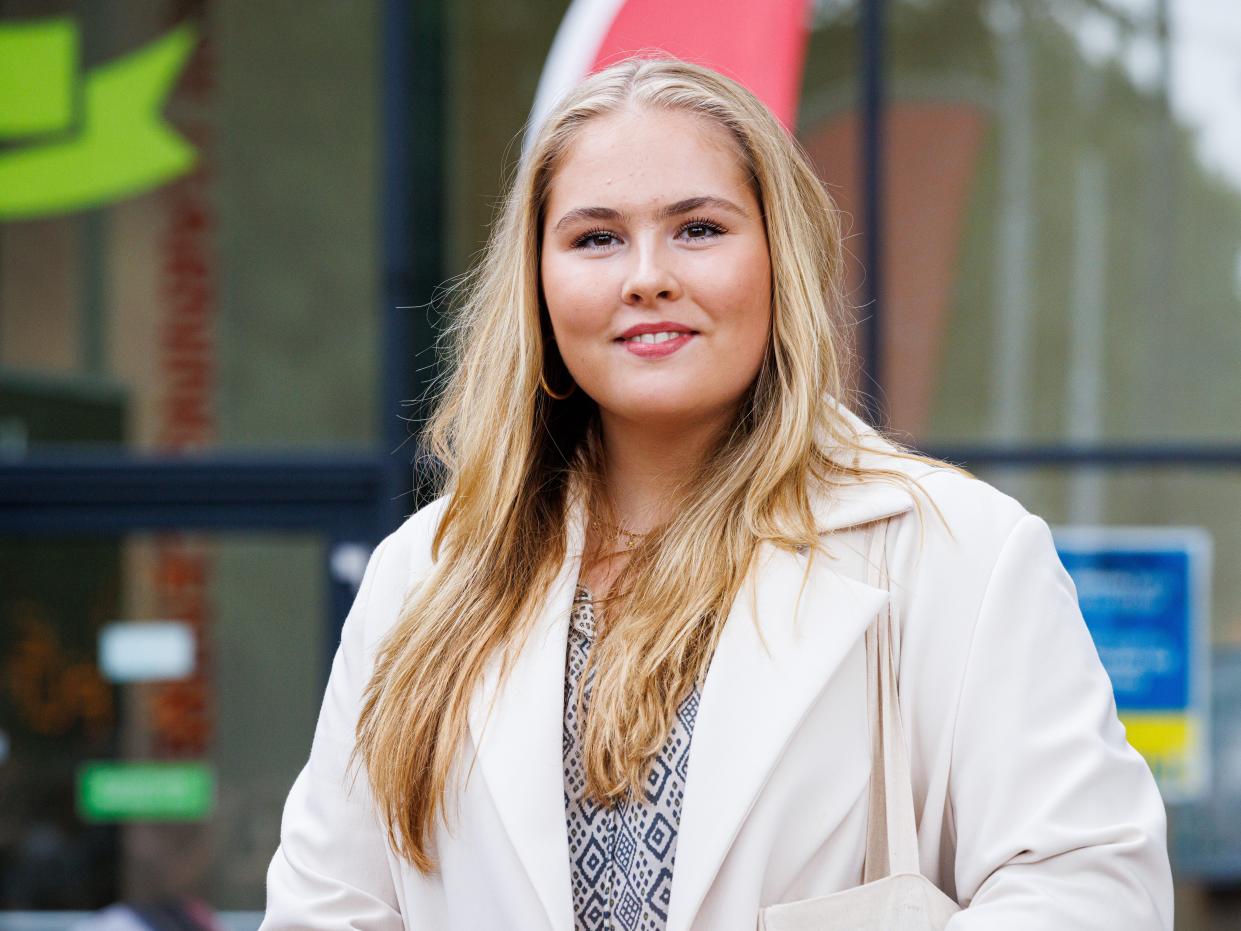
<point x="513" y="459"/>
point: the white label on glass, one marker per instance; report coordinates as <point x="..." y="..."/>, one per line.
<point x="145" y="651"/>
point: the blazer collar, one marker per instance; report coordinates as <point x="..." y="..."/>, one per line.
<point x="758" y="688"/>
<point x="856" y="502"/>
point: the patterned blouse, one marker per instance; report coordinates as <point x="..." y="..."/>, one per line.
<point x="621" y="857"/>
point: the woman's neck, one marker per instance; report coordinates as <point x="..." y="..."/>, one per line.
<point x="644" y="464"/>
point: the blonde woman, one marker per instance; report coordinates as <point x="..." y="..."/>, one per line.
<point x="616" y="676"/>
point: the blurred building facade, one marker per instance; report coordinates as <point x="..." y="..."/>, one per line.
<point x="201" y="379"/>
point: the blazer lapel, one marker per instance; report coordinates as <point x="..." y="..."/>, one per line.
<point x="518" y="735"/>
<point x="757" y="691"/>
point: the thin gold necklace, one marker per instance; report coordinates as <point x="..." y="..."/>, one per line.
<point x="628" y="538"/>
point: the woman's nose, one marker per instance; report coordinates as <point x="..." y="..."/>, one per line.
<point x="651" y="277"/>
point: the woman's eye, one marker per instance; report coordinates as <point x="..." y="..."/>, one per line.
<point x="595" y="239"/>
<point x="701" y="229"/>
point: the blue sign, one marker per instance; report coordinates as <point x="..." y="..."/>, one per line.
<point x="1137" y="606"/>
<point x="1144" y="595"/>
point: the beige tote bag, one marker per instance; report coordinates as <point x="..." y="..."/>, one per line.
<point x="894" y="895"/>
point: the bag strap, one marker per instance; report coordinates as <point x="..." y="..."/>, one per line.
<point x="891" y="833"/>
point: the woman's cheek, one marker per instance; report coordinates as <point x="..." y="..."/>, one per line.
<point x="575" y="300"/>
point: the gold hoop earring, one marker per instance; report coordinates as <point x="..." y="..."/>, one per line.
<point x="559" y="397"/>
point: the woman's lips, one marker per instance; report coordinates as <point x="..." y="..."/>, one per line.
<point x="657" y="350"/>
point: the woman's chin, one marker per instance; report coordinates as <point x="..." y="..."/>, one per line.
<point x="657" y="411"/>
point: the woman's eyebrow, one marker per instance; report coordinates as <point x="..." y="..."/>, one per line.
<point x="688" y="205"/>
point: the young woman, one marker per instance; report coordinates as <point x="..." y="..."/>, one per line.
<point x="616" y="676"/>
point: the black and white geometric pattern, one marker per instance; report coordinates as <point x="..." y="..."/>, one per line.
<point x="621" y="857"/>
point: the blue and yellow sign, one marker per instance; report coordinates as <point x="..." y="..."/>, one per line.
<point x="84" y="139"/>
<point x="1144" y="593"/>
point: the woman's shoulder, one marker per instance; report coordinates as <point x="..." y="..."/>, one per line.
<point x="396" y="564"/>
<point x="411" y="542"/>
<point x="953" y="539"/>
<point x="888" y="479"/>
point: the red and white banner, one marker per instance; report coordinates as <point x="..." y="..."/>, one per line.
<point x="759" y="43"/>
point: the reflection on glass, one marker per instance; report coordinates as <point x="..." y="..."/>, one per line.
<point x="143" y="651"/>
<point x="148" y="761"/>
<point x="235" y="305"/>
<point x="1062" y="223"/>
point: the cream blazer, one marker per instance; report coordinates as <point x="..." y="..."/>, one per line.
<point x="1033" y="811"/>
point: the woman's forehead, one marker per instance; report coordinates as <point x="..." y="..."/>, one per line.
<point x="647" y="156"/>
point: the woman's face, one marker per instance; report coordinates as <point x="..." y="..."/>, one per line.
<point x="652" y="230"/>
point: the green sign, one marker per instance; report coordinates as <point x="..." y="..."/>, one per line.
<point x="84" y="140"/>
<point x="122" y="791"/>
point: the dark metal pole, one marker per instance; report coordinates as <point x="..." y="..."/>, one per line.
<point x="872" y="105"/>
<point x="411" y="209"/>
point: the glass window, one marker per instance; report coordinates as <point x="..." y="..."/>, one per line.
<point x="214" y="279"/>
<point x="94" y="690"/>
<point x="1062" y="225"/>
<point x="485" y="116"/>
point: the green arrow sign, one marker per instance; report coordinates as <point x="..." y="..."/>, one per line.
<point x="38" y="62"/>
<point x="123" y="791"/>
<point x="118" y="144"/>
